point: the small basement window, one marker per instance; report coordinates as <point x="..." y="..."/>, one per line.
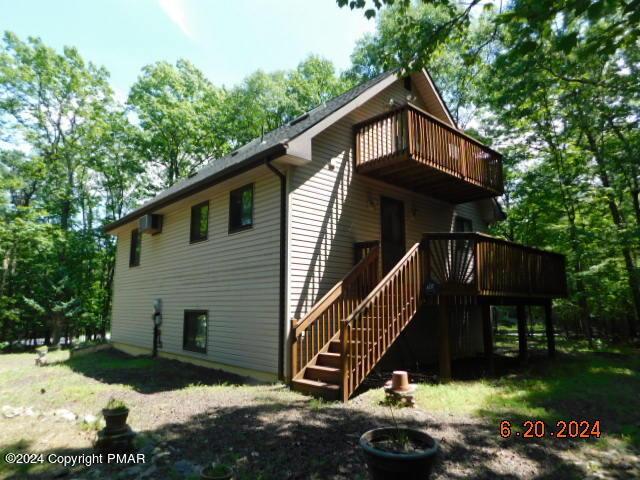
<point x="241" y="208"/>
<point x="135" y="248"/>
<point x="195" y="331"/>
<point x="199" y="222"/>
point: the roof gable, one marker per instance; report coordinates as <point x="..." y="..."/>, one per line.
<point x="292" y="139"/>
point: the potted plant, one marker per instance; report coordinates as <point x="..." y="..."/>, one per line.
<point x="395" y="452"/>
<point x="42" y="355"/>
<point x="216" y="471"/>
<point x="115" y="415"/>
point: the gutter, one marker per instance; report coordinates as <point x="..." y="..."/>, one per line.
<point x="283" y="260"/>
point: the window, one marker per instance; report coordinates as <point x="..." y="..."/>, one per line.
<point x="462" y="224"/>
<point x="241" y="209"/>
<point x="407" y="83"/>
<point x="195" y="331"/>
<point x="199" y="222"/>
<point x="136" y="248"/>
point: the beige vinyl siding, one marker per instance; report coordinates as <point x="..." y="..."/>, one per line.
<point x="330" y="208"/>
<point x="233" y="276"/>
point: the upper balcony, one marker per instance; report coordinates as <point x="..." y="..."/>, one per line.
<point x="410" y="148"/>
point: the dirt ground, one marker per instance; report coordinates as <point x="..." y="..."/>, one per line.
<point x="186" y="417"/>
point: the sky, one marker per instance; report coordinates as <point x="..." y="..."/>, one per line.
<point x="226" y="39"/>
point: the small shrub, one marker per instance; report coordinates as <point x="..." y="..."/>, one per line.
<point x="115" y="404"/>
<point x="217" y="469"/>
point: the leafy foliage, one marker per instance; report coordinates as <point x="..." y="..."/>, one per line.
<point x="554" y="84"/>
<point x="72" y="160"/>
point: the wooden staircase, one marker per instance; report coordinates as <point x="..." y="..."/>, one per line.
<point x="337" y="344"/>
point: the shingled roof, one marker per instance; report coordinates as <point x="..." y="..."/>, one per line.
<point x="271" y="145"/>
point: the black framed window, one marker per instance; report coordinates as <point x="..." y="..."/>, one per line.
<point x="199" y="222"/>
<point x="462" y="224"/>
<point x="135" y="248"/>
<point x="241" y="208"/>
<point x="407" y="83"/>
<point x="195" y="331"/>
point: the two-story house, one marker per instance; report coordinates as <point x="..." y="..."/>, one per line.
<point x="307" y="253"/>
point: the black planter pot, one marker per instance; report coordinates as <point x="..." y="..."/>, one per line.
<point x="207" y="474"/>
<point x="386" y="465"/>
<point x="116" y="420"/>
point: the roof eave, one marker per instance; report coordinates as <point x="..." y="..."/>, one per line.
<point x="247" y="164"/>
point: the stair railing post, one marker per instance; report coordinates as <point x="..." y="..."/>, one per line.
<point x="344" y="373"/>
<point x="294" y="348"/>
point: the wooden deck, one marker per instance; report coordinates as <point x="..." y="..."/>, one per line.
<point x="337" y="344"/>
<point x="410" y="148"/>
<point x="479" y="265"/>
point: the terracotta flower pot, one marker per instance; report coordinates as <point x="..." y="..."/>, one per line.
<point x="221" y="473"/>
<point x="386" y="463"/>
<point x="116" y="419"/>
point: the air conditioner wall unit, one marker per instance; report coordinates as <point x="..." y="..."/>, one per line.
<point x="150" y="223"/>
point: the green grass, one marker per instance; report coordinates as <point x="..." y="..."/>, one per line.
<point x="57" y="385"/>
<point x="590" y="385"/>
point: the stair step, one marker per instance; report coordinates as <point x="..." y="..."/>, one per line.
<point x="328" y="391"/>
<point x="322" y="374"/>
<point x="334" y="345"/>
<point x="329" y="359"/>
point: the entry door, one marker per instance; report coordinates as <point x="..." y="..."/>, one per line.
<point x="392" y="232"/>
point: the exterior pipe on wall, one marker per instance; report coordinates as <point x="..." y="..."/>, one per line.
<point x="283" y="260"/>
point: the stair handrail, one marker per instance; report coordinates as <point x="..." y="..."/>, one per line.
<point x="388" y="325"/>
<point x="366" y="267"/>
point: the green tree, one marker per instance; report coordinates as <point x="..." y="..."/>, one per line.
<point x="265" y="101"/>
<point x="179" y="114"/>
<point x="416" y="39"/>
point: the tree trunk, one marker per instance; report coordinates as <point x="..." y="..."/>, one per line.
<point x="619" y="221"/>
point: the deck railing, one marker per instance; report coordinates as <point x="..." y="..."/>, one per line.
<point x="455" y="264"/>
<point x="314" y="331"/>
<point x="478" y="264"/>
<point x="415" y="134"/>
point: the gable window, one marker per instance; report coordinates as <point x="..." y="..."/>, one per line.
<point x="407" y="83"/>
<point x="135" y="248"/>
<point x="195" y="331"/>
<point x="241" y="208"/>
<point x="199" y="222"/>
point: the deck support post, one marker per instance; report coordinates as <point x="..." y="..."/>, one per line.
<point x="444" y="350"/>
<point x="548" y="321"/>
<point x="522" y="333"/>
<point x="487" y="337"/>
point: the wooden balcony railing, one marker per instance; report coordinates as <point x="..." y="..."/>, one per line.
<point x="396" y="142"/>
<point x="481" y="265"/>
<point x="314" y="331"/>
